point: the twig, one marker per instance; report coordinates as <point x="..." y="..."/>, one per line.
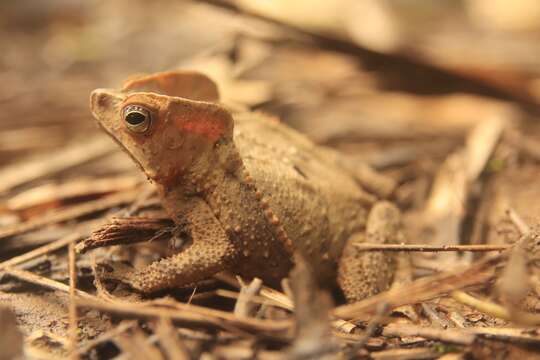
<point x="256" y="299"/>
<point x="138" y="346"/>
<point x="521" y="335"/>
<point x="43" y="281"/>
<point x="514" y="282"/>
<point x="45" y="249"/>
<point x="73" y="318"/>
<point x="24" y="172"/>
<point x="401" y="354"/>
<point x="518" y="221"/>
<point x="276" y="298"/>
<point x="496" y="310"/>
<point x="168" y="338"/>
<point x="445" y="208"/>
<point x="69" y="213"/>
<point x="481" y="142"/>
<point x="430" y="248"/>
<point x="190" y="300"/>
<point x="266" y="292"/>
<point x="193" y="315"/>
<point x="486" y="307"/>
<point x="312" y="305"/>
<point x="462" y="336"/>
<point x="244" y="305"/>
<point x="52" y="194"/>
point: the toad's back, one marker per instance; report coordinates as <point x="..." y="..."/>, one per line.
<point x="318" y="204"/>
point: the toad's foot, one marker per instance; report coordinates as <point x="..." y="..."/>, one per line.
<point x="119" y="272"/>
<point x="362" y="274"/>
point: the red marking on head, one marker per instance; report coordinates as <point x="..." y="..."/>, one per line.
<point x="209" y="128"/>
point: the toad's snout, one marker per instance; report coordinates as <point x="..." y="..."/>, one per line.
<point x="104" y="100"/>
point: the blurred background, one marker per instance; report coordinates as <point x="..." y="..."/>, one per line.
<point x="338" y="70"/>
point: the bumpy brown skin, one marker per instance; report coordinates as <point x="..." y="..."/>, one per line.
<point x="250" y="192"/>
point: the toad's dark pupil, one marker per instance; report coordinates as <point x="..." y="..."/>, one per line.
<point x="135" y="118"/>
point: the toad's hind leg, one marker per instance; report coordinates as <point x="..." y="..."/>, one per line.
<point x="361" y="273"/>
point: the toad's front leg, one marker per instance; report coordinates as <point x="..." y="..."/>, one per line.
<point x="210" y="252"/>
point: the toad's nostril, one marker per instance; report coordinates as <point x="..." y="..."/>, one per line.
<point x="99" y="100"/>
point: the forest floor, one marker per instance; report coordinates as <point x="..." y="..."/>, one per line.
<point x="444" y="100"/>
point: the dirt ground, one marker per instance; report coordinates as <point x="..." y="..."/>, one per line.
<point x="441" y="97"/>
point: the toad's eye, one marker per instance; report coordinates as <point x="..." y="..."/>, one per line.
<point x="137" y="118"/>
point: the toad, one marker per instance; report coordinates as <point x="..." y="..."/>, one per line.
<point x="248" y="192"/>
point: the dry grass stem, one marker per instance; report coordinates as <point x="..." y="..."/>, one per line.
<point x="70" y="213"/>
<point x="496" y="310"/>
<point x="24" y="172"/>
<point x="45" y="249"/>
<point x="453" y="336"/>
<point x="189" y="315"/>
<point x="244" y="306"/>
<point x="45" y="282"/>
<point x="168" y="338"/>
<point x="518" y="221"/>
<point x="73" y="329"/>
<point x="430" y="248"/>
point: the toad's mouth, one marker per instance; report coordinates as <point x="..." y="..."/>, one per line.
<point x="104" y="104"/>
<point x="125" y="150"/>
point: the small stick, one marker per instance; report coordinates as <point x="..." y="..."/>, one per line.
<point x="486" y="307"/>
<point x="45" y="249"/>
<point x="256" y="299"/>
<point x="70" y="213"/>
<point x="455" y="336"/>
<point x="24" y="172"/>
<point x="43" y="281"/>
<point x="513" y="285"/>
<point x="244" y="306"/>
<point x="509" y="334"/>
<point x="430" y="248"/>
<point x="168" y="339"/>
<point x="496" y="310"/>
<point x="399" y="353"/>
<point x="188" y="314"/>
<point x="518" y="221"/>
<point x="73" y="320"/>
<point x="266" y="292"/>
<point x="276" y="298"/>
